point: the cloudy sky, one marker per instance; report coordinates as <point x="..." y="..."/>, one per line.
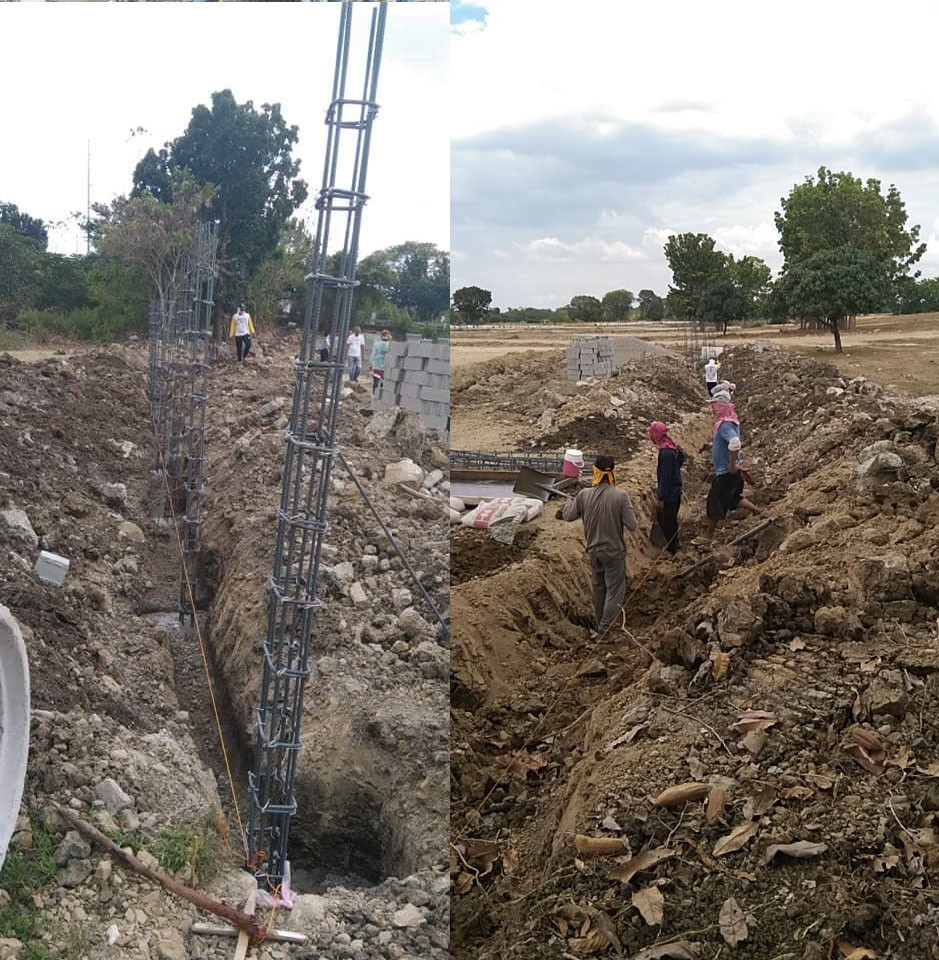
<point x="583" y="134"/>
<point x="74" y="72"/>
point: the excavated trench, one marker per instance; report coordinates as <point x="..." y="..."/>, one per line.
<point x="342" y="834"/>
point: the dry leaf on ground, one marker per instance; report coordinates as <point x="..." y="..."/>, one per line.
<point x="594" y="942"/>
<point x="754" y="720"/>
<point x="721" y="662"/>
<point x="733" y="922"/>
<point x="598" y="846"/>
<point x="801" y="849"/>
<point x="754" y="742"/>
<point x="850" y="952"/>
<point x="759" y="804"/>
<point x="716" y="800"/>
<point x="524" y="764"/>
<point x="796" y="645"/>
<point x="679" y="950"/>
<point x="628" y="736"/>
<point x="651" y="904"/>
<point x="681" y="793"/>
<point x="737" y="838"/>
<point x="645" y="860"/>
<point x="583" y="918"/>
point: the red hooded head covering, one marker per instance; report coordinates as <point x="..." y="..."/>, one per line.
<point x="658" y="433"/>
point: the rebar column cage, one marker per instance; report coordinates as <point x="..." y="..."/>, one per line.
<point x="153" y="343"/>
<point x="198" y="335"/>
<point x="310" y="446"/>
<point x="177" y="380"/>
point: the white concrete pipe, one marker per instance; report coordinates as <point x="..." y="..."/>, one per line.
<point x="14" y="725"/>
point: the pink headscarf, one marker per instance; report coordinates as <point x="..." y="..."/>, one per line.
<point x="658" y="434"/>
<point x="724" y="413"/>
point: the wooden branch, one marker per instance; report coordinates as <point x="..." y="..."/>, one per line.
<point x="238" y="919"/>
<point x="762" y="525"/>
<point x="219" y="930"/>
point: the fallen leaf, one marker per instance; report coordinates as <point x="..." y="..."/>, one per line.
<point x="509" y="861"/>
<point x="903" y="759"/>
<point x="697" y="768"/>
<point x="931" y="771"/>
<point x="598" y="846"/>
<point x="857" y="753"/>
<point x="716" y="800"/>
<point x="801" y="849"/>
<point x="754" y="742"/>
<point x="721" y="662"/>
<point x="736" y="839"/>
<point x="733" y="923"/>
<point x="628" y="736"/>
<point x="594" y="942"/>
<point x="797" y="644"/>
<point x="679" y="950"/>
<point x="641" y="862"/>
<point x="463" y="883"/>
<point x="651" y="904"/>
<point x="524" y="764"/>
<point x="482" y="854"/>
<point x="759" y="804"/>
<point x="754" y="720"/>
<point x="681" y="793"/>
<point x="889" y="860"/>
<point x="820" y="780"/>
<point x="609" y="823"/>
<point x="798" y="793"/>
<point x="583" y="868"/>
<point x="850" y="952"/>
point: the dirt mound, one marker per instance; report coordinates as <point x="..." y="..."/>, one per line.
<point x="792" y="680"/>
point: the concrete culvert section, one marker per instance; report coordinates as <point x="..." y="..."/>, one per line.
<point x="14" y="724"/>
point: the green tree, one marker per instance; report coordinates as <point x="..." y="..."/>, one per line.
<point x="837" y="210"/>
<point x="752" y="277"/>
<point x="25" y="224"/>
<point x="917" y="296"/>
<point x="20" y="273"/>
<point x="151" y="236"/>
<point x="246" y="154"/>
<point x="651" y="306"/>
<point x="472" y="303"/>
<point x="413" y="276"/>
<point x="280" y="277"/>
<point x="616" y="305"/>
<point x="584" y="309"/>
<point x="722" y="303"/>
<point x="833" y="284"/>
<point x="695" y="265"/>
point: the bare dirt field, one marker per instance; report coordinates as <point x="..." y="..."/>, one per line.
<point x="901" y="350"/>
<point x="786" y="685"/>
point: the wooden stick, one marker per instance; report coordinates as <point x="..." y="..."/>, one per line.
<point x="241" y="920"/>
<point x="241" y="949"/>
<point x="219" y="930"/>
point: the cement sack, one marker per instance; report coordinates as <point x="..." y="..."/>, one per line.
<point x="457" y="504"/>
<point x="500" y="510"/>
<point x="455" y="516"/>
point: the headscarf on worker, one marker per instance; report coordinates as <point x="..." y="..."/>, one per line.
<point x="724" y="411"/>
<point x="603" y="471"/>
<point x="658" y="434"/>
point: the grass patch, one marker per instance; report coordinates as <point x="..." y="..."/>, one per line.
<point x="12" y="340"/>
<point x="197" y="846"/>
<point x="25" y="873"/>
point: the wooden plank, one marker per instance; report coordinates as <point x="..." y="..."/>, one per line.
<point x="220" y="930"/>
<point x="241" y="949"/>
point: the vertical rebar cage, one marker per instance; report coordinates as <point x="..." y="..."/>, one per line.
<point x="310" y="446"/>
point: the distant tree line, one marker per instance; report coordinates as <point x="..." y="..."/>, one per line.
<point x="846" y="250"/>
<point x="233" y="164"/>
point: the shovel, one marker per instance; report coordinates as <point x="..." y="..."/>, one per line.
<point x="540" y="486"/>
<point x="656" y="536"/>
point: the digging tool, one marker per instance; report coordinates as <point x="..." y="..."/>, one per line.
<point x="657" y="538"/>
<point x="540" y="486"/>
<point x="752" y="532"/>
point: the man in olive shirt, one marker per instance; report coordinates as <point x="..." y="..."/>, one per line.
<point x="605" y="511"/>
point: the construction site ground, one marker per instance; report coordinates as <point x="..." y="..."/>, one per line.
<point x="787" y="686"/>
<point x="122" y="731"/>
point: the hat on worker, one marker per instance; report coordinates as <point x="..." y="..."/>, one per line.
<point x="726" y="385"/>
<point x="603" y="469"/>
<point x="719" y="396"/>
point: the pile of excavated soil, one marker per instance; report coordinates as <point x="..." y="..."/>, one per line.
<point x="109" y="737"/>
<point x="524" y="401"/>
<point x="791" y="682"/>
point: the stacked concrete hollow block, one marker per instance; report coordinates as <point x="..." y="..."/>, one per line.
<point x="417" y="377"/>
<point x="590" y="357"/>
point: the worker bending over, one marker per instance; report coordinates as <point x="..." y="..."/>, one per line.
<point x="605" y="511"/>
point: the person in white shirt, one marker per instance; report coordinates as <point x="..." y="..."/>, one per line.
<point x="241" y="328"/>
<point x="354" y="346"/>
<point x="710" y="374"/>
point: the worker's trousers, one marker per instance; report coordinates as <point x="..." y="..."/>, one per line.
<point x="608" y="576"/>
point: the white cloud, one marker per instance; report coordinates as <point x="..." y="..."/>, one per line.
<point x="551" y="248"/>
<point x="71" y="98"/>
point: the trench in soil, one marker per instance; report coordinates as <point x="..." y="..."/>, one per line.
<point x="340" y="836"/>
